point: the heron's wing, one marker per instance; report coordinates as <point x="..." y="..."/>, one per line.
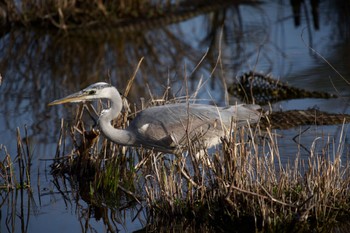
<point x="173" y="125"/>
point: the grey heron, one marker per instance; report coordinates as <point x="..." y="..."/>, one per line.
<point x="167" y="128"/>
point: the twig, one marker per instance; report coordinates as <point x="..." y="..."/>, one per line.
<point x="129" y="193"/>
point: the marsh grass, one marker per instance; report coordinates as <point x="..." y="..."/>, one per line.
<point x="16" y="195"/>
<point x="242" y="184"/>
<point x="15" y="173"/>
<point x="104" y="172"/>
<point x="243" y="181"/>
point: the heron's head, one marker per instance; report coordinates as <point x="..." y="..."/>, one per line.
<point x="95" y="91"/>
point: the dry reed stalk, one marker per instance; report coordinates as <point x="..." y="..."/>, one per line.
<point x="11" y="179"/>
<point x="7" y="176"/>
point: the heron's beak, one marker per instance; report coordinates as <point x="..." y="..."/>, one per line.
<point x="73" y="98"/>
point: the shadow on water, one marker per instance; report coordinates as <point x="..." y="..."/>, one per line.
<point x="39" y="65"/>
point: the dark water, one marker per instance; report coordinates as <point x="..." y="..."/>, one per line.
<point x="38" y="67"/>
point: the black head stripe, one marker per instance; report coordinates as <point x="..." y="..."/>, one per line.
<point x="99" y="86"/>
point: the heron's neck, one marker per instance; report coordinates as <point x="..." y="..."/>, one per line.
<point x="119" y="136"/>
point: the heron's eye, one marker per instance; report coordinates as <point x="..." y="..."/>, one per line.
<point x="92" y="92"/>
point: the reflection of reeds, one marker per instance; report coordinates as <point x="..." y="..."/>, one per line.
<point x="45" y="64"/>
<point x="123" y="15"/>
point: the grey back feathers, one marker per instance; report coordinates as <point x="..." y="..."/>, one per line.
<point x="170" y="127"/>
